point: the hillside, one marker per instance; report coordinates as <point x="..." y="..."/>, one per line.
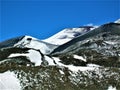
<point x="88" y="61"/>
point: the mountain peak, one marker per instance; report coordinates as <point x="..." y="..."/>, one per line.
<point x="68" y="34"/>
<point x="117" y="21"/>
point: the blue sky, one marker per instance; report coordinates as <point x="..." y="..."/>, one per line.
<point x="43" y="18"/>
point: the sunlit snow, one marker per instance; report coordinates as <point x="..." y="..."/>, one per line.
<point x="31" y="42"/>
<point x="8" y="81"/>
<point x="111" y="88"/>
<point x="65" y="35"/>
<point x="33" y="55"/>
<point x="79" y="57"/>
<point x="72" y="67"/>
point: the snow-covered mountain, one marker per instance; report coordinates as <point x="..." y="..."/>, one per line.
<point x="84" y="58"/>
<point x="29" y="42"/>
<point x="117" y="21"/>
<point x="46" y="46"/>
<point x="68" y="34"/>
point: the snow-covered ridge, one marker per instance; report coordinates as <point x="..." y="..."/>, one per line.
<point x="67" y="34"/>
<point x="31" y="42"/>
<point x="117" y="21"/>
<point x="9" y="81"/>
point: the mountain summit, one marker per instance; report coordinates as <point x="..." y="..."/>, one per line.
<point x="83" y="58"/>
<point x="68" y="34"/>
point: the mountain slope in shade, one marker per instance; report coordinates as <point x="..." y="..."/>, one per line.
<point x="113" y="28"/>
<point x="68" y="34"/>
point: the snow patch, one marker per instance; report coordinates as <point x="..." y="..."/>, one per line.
<point x="118" y="54"/>
<point x="16" y="55"/>
<point x="93" y="65"/>
<point x="79" y="57"/>
<point x="57" y="61"/>
<point x="8" y="81"/>
<point x="50" y="60"/>
<point x="77" y="68"/>
<point x="33" y="55"/>
<point x="73" y="68"/>
<point x="61" y="71"/>
<point x="110" y="42"/>
<point x="111" y="88"/>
